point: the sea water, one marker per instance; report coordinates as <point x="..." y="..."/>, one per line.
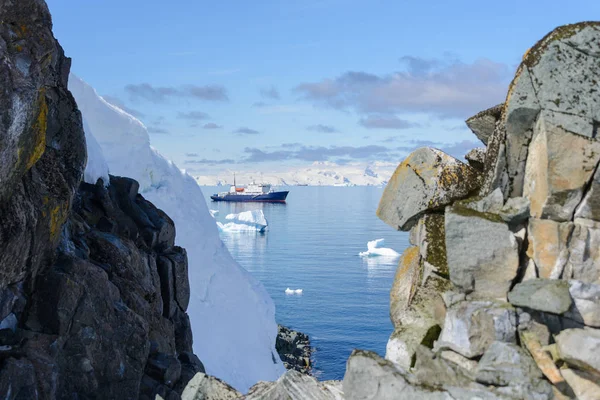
<point x="312" y="243"/>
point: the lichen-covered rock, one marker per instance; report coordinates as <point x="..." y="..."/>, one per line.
<point x="476" y="158"/>
<point x="559" y="166"/>
<point x="483" y="124"/>
<point x="482" y="252"/>
<point x="417" y="308"/>
<point x="580" y="348"/>
<point x="470" y="327"/>
<point x="294" y="385"/>
<point x="547" y="295"/>
<point x="428" y="235"/>
<point x="427" y="180"/>
<point x="42" y="151"/>
<point x="548" y="246"/>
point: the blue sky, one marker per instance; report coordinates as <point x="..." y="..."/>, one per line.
<point x="273" y="84"/>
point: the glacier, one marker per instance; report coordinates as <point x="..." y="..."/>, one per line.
<point x="232" y="315"/>
<point x="375" y="249"/>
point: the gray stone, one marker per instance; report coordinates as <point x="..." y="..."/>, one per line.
<point x="435" y="371"/>
<point x="471" y="327"/>
<point x="584" y="252"/>
<point x="504" y="364"/>
<point x="547" y="295"/>
<point x="590" y="205"/>
<point x="426" y="180"/>
<point x="428" y="235"/>
<point x="515" y="210"/>
<point x="580" y="348"/>
<point x="586" y="303"/>
<point x="294" y="385"/>
<point x="482" y="253"/>
<point x="368" y="376"/>
<point x="585" y="386"/>
<point x="484" y="123"/>
<point x="204" y="387"/>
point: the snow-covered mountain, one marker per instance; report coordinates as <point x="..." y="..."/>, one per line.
<point x="319" y="174"/>
<point x="232" y="315"/>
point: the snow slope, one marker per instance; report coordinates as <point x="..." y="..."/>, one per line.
<point x="232" y="315"/>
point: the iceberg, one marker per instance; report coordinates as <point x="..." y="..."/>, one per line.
<point x="247" y="221"/>
<point x="293" y="291"/>
<point x="214" y="213"/>
<point x="224" y="296"/>
<point x="375" y="249"/>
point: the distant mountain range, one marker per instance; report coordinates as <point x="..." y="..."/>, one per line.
<point x="322" y="173"/>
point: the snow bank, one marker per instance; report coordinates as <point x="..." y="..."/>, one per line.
<point x="375" y="249"/>
<point x="232" y="315"/>
<point x="96" y="166"/>
<point x="246" y="221"/>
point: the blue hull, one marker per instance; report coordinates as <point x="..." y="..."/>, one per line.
<point x="275" y="197"/>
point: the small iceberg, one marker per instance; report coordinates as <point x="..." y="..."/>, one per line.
<point x="247" y="221"/>
<point x="214" y="213"/>
<point x="293" y="291"/>
<point x="375" y="249"/>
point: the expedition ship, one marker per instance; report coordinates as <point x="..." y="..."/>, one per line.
<point x="253" y="192"/>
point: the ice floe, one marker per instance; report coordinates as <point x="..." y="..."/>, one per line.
<point x="214" y="213"/>
<point x="293" y="291"/>
<point x="247" y="221"/>
<point x="375" y="249"/>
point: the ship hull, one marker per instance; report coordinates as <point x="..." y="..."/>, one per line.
<point x="275" y="197"/>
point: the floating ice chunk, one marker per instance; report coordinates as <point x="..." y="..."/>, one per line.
<point x="375" y="249"/>
<point x="246" y="221"/>
<point x="234" y="227"/>
<point x="293" y="291"/>
<point x="214" y="213"/>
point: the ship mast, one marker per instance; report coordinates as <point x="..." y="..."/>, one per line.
<point x="234" y="185"/>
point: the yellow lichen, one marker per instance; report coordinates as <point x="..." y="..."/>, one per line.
<point x="39" y="130"/>
<point x="58" y="216"/>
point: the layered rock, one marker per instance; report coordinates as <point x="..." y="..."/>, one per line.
<point x="522" y="301"/>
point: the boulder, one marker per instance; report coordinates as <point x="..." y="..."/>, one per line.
<point x="547" y="295"/>
<point x="580" y="348"/>
<point x="417" y="309"/>
<point x="530" y="341"/>
<point x="476" y="158"/>
<point x="554" y="82"/>
<point x="294" y="349"/>
<point x="294" y="385"/>
<point x="483" y="124"/>
<point x="585" y="386"/>
<point x="505" y="364"/>
<point x="559" y="166"/>
<point x="586" y="303"/>
<point x="472" y="326"/>
<point x="548" y="246"/>
<point x="482" y="252"/>
<point x="584" y="252"/>
<point x="427" y="180"/>
<point x="204" y="387"/>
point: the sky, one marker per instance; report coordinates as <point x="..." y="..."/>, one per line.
<point x="273" y="85"/>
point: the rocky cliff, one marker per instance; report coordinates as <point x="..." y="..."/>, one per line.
<point x="93" y="291"/>
<point x="499" y="295"/>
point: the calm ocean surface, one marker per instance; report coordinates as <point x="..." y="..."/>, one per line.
<point x="313" y="243"/>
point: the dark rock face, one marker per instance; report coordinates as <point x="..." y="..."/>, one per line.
<point x="93" y="291"/>
<point x="294" y="349"/>
<point x="42" y="145"/>
<point x="105" y="320"/>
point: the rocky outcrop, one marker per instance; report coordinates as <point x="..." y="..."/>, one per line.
<point x="93" y="291"/>
<point x="521" y="300"/>
<point x="294" y="349"/>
